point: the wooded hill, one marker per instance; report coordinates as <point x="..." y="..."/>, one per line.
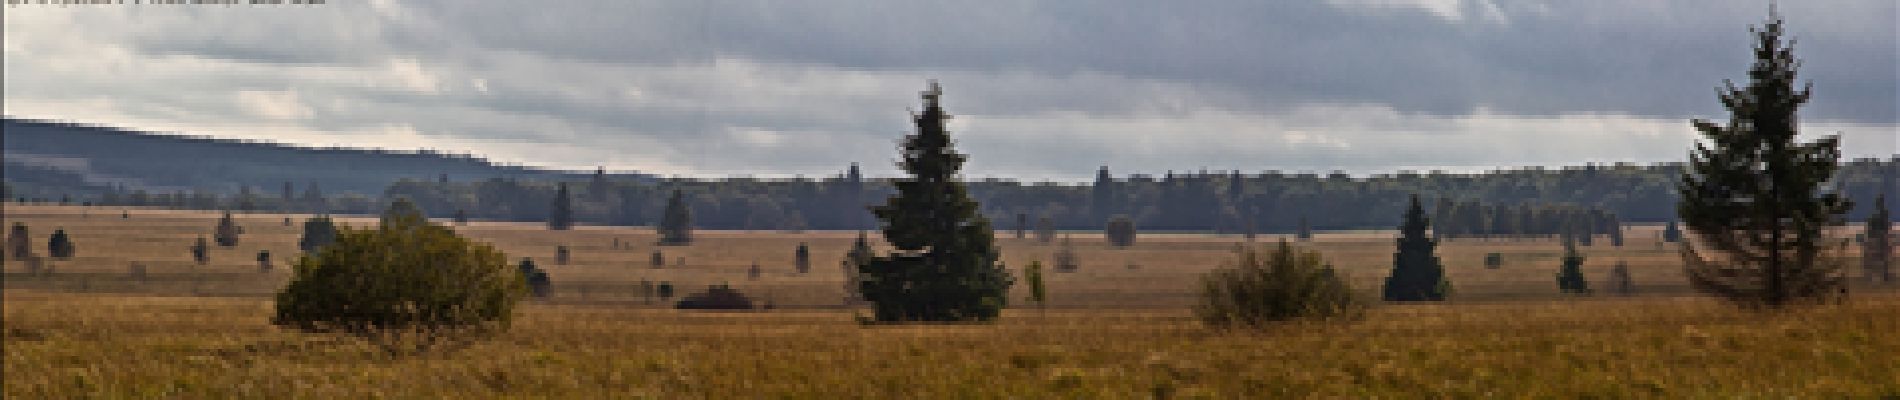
<point x="255" y="176"/>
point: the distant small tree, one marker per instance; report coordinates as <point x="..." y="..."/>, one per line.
<point x="1417" y="274"/>
<point x="1022" y="225"/>
<point x="461" y="217"/>
<point x="19" y="244"/>
<point x="536" y="278"/>
<point x="659" y="260"/>
<point x="1032" y="275"/>
<point x="1493" y="260"/>
<point x="1620" y="282"/>
<point x="1045" y="230"/>
<point x="1065" y="257"/>
<point x="201" y="251"/>
<point x="561" y="213"/>
<point x="1672" y="233"/>
<point x="754" y="272"/>
<point x="676" y="223"/>
<point x="263" y="261"/>
<point x="1570" y="276"/>
<point x="318" y="231"/>
<point x="1286" y="283"/>
<point x="1877" y="248"/>
<point x="1306" y="230"/>
<point x="227" y="232"/>
<point x="560" y="255"/>
<point x="1120" y="231"/>
<point x="60" y="246"/>
<point x="665" y="290"/>
<point x="860" y="254"/>
<point x="801" y="259"/>
<point x="405" y="282"/>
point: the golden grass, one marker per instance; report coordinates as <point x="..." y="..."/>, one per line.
<point x="66" y="346"/>
<point x="1166" y="266"/>
<point x="1112" y="332"/>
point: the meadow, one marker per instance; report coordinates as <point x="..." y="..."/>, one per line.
<point x="1117" y="328"/>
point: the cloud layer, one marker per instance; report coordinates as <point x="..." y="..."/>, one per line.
<point x="1042" y="89"/>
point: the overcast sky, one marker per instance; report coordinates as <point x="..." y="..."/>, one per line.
<point x="1040" y="89"/>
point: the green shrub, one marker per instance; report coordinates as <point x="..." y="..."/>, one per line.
<point x="406" y="282"/>
<point x="1283" y="284"/>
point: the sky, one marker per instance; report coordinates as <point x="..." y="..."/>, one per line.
<point x="1040" y="90"/>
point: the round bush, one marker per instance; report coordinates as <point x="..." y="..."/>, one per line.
<point x="1284" y="284"/>
<point x="404" y="280"/>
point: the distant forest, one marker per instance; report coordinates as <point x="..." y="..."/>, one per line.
<point x="1522" y="201"/>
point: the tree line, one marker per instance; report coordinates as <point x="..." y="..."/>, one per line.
<point x="1532" y="201"/>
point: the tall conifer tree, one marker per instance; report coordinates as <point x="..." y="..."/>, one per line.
<point x="1416" y="272"/>
<point x="946" y="266"/>
<point x="1753" y="195"/>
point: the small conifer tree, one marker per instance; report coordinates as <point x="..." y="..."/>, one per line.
<point x="1416" y="272"/>
<point x="801" y="259"/>
<point x="201" y="251"/>
<point x="676" y="222"/>
<point x="60" y="245"/>
<point x="227" y="232"/>
<point x="561" y="213"/>
<point x="1570" y="276"/>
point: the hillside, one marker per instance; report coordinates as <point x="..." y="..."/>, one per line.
<point x="47" y="159"/>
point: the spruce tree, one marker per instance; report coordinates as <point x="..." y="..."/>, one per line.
<point x="60" y="245"/>
<point x="946" y="266"/>
<point x="801" y="258"/>
<point x="561" y="213"/>
<point x="1877" y="251"/>
<point x="1672" y="232"/>
<point x="1416" y="272"/>
<point x="676" y="222"/>
<point x="227" y="232"/>
<point x="1570" y="276"/>
<point x="1752" y="195"/>
<point x="201" y="252"/>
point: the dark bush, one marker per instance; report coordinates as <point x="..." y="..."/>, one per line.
<point x="716" y="297"/>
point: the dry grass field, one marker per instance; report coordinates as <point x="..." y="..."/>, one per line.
<point x="91" y="329"/>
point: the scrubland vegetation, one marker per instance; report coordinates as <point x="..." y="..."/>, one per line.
<point x="1108" y="332"/>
